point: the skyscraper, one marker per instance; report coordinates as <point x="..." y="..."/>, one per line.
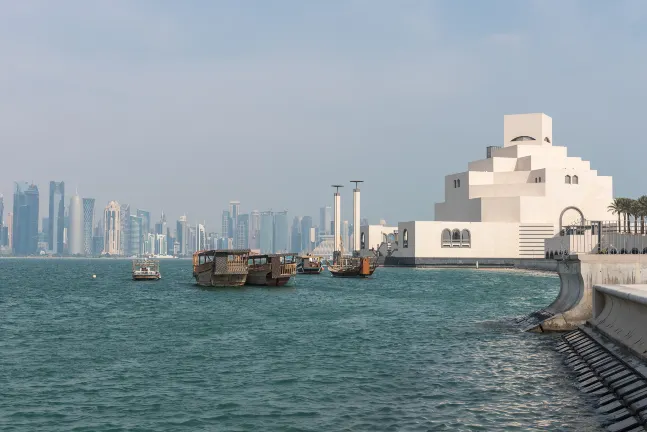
<point x="234" y="211"/>
<point x="306" y="225"/>
<point x="112" y="229"/>
<point x="181" y="233"/>
<point x="226" y="224"/>
<point x="242" y="232"/>
<point x="25" y="219"/>
<point x="266" y="243"/>
<point x="124" y="218"/>
<point x="295" y="235"/>
<point x="75" y="230"/>
<point x="146" y="221"/>
<point x="56" y="216"/>
<point x="281" y="232"/>
<point x="136" y="238"/>
<point x="9" y="222"/>
<point x="254" y="238"/>
<point x="325" y="217"/>
<point x="88" y="223"/>
<point x="201" y="238"/>
<point x="1" y="210"/>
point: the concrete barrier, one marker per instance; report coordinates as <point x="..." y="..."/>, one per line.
<point x="578" y="274"/>
<point x="620" y="313"/>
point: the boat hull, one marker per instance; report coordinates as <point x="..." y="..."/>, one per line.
<point x="264" y="278"/>
<point x="146" y="277"/>
<point x="309" y="271"/>
<point x="208" y="279"/>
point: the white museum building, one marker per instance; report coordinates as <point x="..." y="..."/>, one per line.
<point x="508" y="204"/>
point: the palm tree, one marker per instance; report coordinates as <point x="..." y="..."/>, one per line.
<point x="616" y="208"/>
<point x="636" y="212"/>
<point x="626" y="206"/>
<point x="642" y="207"/>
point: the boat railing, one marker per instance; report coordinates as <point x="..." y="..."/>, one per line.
<point x="289" y="269"/>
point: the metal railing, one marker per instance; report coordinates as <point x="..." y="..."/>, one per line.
<point x="597" y="237"/>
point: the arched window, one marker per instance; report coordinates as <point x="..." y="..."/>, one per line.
<point x="523" y="138"/>
<point x="576" y="180"/>
<point x="362" y="240"/>
<point x="547" y="140"/>
<point x="456" y="238"/>
<point x="539" y="179"/>
<point x="454" y="183"/>
<point x="466" y="238"/>
<point x="405" y="238"/>
<point x="458" y="183"/>
<point x="446" y="238"/>
<point x="552" y="255"/>
<point x="567" y="179"/>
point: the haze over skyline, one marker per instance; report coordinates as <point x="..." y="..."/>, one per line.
<point x="183" y="107"/>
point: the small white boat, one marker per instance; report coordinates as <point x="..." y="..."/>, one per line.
<point x="146" y="270"/>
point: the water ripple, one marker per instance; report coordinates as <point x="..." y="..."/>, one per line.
<point x="409" y="350"/>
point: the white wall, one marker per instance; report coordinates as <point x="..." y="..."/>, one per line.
<point x="488" y="240"/>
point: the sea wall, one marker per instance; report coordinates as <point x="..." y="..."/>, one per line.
<point x="578" y="274"/>
<point x="620" y="313"/>
<point x="540" y="264"/>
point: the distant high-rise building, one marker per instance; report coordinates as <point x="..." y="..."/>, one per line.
<point x="44" y="223"/>
<point x="281" y="232"/>
<point x="146" y="221"/>
<point x="124" y="219"/>
<point x="226" y="229"/>
<point x="88" y="222"/>
<point x="363" y="222"/>
<point x="201" y="238"/>
<point x="135" y="237"/>
<point x="242" y="232"/>
<point x="56" y="216"/>
<point x="325" y="216"/>
<point x="97" y="245"/>
<point x="112" y="230"/>
<point x="306" y="225"/>
<point x="149" y="244"/>
<point x="25" y="219"/>
<point x="254" y="237"/>
<point x="9" y="222"/>
<point x="1" y="210"/>
<point x="295" y="235"/>
<point x="266" y="244"/>
<point x="75" y="230"/>
<point x="191" y="239"/>
<point x="181" y="234"/>
<point x="161" y="247"/>
<point x="160" y="227"/>
<point x="234" y="212"/>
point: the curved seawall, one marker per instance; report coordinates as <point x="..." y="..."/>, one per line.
<point x="578" y="274"/>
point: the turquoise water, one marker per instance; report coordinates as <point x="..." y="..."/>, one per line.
<point x="410" y="349"/>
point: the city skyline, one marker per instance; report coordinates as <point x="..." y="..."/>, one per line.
<point x="388" y="97"/>
<point x="125" y="230"/>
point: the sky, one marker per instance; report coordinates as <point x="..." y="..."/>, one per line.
<point x="184" y="106"/>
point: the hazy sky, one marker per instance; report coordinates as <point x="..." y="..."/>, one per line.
<point x="184" y="105"/>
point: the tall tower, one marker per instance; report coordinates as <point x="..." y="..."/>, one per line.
<point x="25" y="219"/>
<point x="337" y="221"/>
<point x="75" y="239"/>
<point x="112" y="229"/>
<point x="88" y="223"/>
<point x="356" y="216"/>
<point x="56" y="216"/>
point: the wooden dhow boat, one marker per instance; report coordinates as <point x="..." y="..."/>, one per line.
<point x="357" y="266"/>
<point x="271" y="269"/>
<point x="309" y="264"/>
<point x="221" y="268"/>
